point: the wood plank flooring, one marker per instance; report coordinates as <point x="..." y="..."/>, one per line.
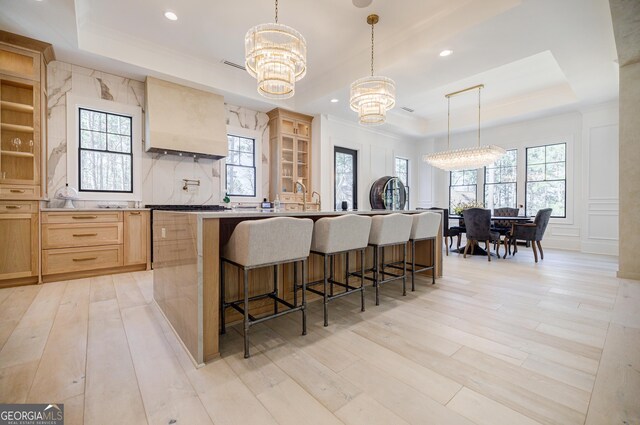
<point x="506" y="342"/>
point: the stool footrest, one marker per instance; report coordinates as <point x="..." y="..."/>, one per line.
<point x="253" y="320"/>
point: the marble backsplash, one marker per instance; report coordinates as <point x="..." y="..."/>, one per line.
<point x="162" y="175"/>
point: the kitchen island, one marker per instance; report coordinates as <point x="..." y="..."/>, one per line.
<point x="186" y="277"/>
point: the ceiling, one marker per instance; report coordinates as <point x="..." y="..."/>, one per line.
<point x="535" y="57"/>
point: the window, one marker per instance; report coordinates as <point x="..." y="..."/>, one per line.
<point x="346" y="178"/>
<point x="402" y="172"/>
<point x="500" y="182"/>
<point x="104" y="149"/>
<point x="546" y="179"/>
<point x="105" y="157"/>
<point x="241" y="166"/>
<point x="462" y="187"/>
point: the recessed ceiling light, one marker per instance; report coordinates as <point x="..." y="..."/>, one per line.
<point x="335" y="100"/>
<point x="446" y="52"/>
<point x="170" y="15"/>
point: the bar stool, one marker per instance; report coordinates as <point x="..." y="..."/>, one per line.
<point x="425" y="226"/>
<point x="389" y="230"/>
<point x="336" y="236"/>
<point x="264" y="243"/>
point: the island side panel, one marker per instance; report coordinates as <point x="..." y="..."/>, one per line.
<point x="175" y="274"/>
<point x="211" y="287"/>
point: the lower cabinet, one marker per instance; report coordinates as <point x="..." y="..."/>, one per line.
<point x="87" y="243"/>
<point x="18" y="242"/>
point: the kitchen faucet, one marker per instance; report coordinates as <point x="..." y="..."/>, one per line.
<point x="316" y="193"/>
<point x="304" y="194"/>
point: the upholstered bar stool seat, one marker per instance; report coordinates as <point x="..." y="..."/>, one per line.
<point x="389" y="230"/>
<point x="425" y="226"/>
<point x="335" y="236"/>
<point x="266" y="243"/>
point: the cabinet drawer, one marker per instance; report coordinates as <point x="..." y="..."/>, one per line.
<point x="82" y="217"/>
<point x="78" y="259"/>
<point x="292" y="207"/>
<point x="75" y="235"/>
<point x="18" y="207"/>
<point x="19" y="192"/>
<point x="291" y="197"/>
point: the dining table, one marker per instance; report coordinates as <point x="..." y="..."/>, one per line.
<point x="479" y="251"/>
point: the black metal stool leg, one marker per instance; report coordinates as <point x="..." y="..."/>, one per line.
<point x="304" y="299"/>
<point x="332" y="260"/>
<point x="325" y="295"/>
<point x="375" y="273"/>
<point x="295" y="284"/>
<point x="362" y="280"/>
<point x="275" y="288"/>
<point x="223" y="327"/>
<point x="413" y="265"/>
<point x="246" y="314"/>
<point x="433" y="262"/>
<point x="404" y="269"/>
<point x="346" y="269"/>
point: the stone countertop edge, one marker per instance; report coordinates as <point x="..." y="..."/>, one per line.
<point x="91" y="209"/>
<point x="247" y="214"/>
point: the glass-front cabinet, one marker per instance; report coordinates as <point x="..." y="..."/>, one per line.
<point x="290" y="152"/>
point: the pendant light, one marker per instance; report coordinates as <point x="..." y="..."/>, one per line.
<point x="371" y="97"/>
<point x="465" y="158"/>
<point x="275" y="55"/>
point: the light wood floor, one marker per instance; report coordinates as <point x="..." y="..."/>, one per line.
<point x="506" y="342"/>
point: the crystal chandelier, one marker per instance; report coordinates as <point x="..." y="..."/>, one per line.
<point x="275" y="55"/>
<point x="371" y="97"/>
<point x="465" y="158"/>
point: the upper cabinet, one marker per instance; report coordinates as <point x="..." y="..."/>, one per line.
<point x="23" y="101"/>
<point x="290" y="151"/>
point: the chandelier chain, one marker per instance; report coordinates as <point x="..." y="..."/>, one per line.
<point x="276" y="11"/>
<point x="448" y="123"/>
<point x="479" y="90"/>
<point x="372" y="49"/>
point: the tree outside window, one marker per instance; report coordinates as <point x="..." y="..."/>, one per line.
<point x="105" y="152"/>
<point x="462" y="188"/>
<point x="546" y="179"/>
<point x="500" y="180"/>
<point x="241" y="167"/>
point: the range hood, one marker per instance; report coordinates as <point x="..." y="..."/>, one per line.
<point x="184" y="121"/>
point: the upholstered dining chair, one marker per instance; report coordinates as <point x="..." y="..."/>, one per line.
<point x="503" y="226"/>
<point x="478" y="224"/>
<point x="531" y="232"/>
<point x="447" y="232"/>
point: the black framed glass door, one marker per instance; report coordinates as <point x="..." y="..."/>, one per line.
<point x="345" y="173"/>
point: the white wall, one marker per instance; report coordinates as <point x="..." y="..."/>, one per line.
<point x="376" y="153"/>
<point x="592" y="173"/>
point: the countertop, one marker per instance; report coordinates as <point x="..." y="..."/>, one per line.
<point x="250" y="213"/>
<point x="91" y="209"/>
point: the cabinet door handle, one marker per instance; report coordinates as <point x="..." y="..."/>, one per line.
<point x="76" y="235"/>
<point x="16" y="190"/>
<point x="83" y="217"/>
<point x="13" y="207"/>
<point x="135" y="213"/>
<point x="85" y="259"/>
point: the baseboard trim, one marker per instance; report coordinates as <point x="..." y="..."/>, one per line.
<point x="628" y="275"/>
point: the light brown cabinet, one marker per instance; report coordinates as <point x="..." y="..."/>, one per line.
<point x="136" y="237"/>
<point x="23" y="98"/>
<point x="88" y="243"/>
<point x="18" y="242"/>
<point x="290" y="151"/>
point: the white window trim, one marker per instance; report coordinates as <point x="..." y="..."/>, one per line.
<point x="74" y="103"/>
<point x="249" y="134"/>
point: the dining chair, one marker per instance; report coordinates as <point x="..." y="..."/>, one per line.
<point x="531" y="232"/>
<point x="447" y="232"/>
<point x="478" y="228"/>
<point x="503" y="226"/>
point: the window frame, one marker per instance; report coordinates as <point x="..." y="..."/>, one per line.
<point x="515" y="183"/>
<point x="222" y="164"/>
<point x="526" y="174"/>
<point x="459" y="185"/>
<point x="354" y="153"/>
<point x="254" y="167"/>
<point x="106" y="150"/>
<point x="74" y="105"/>
<point x="395" y="173"/>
